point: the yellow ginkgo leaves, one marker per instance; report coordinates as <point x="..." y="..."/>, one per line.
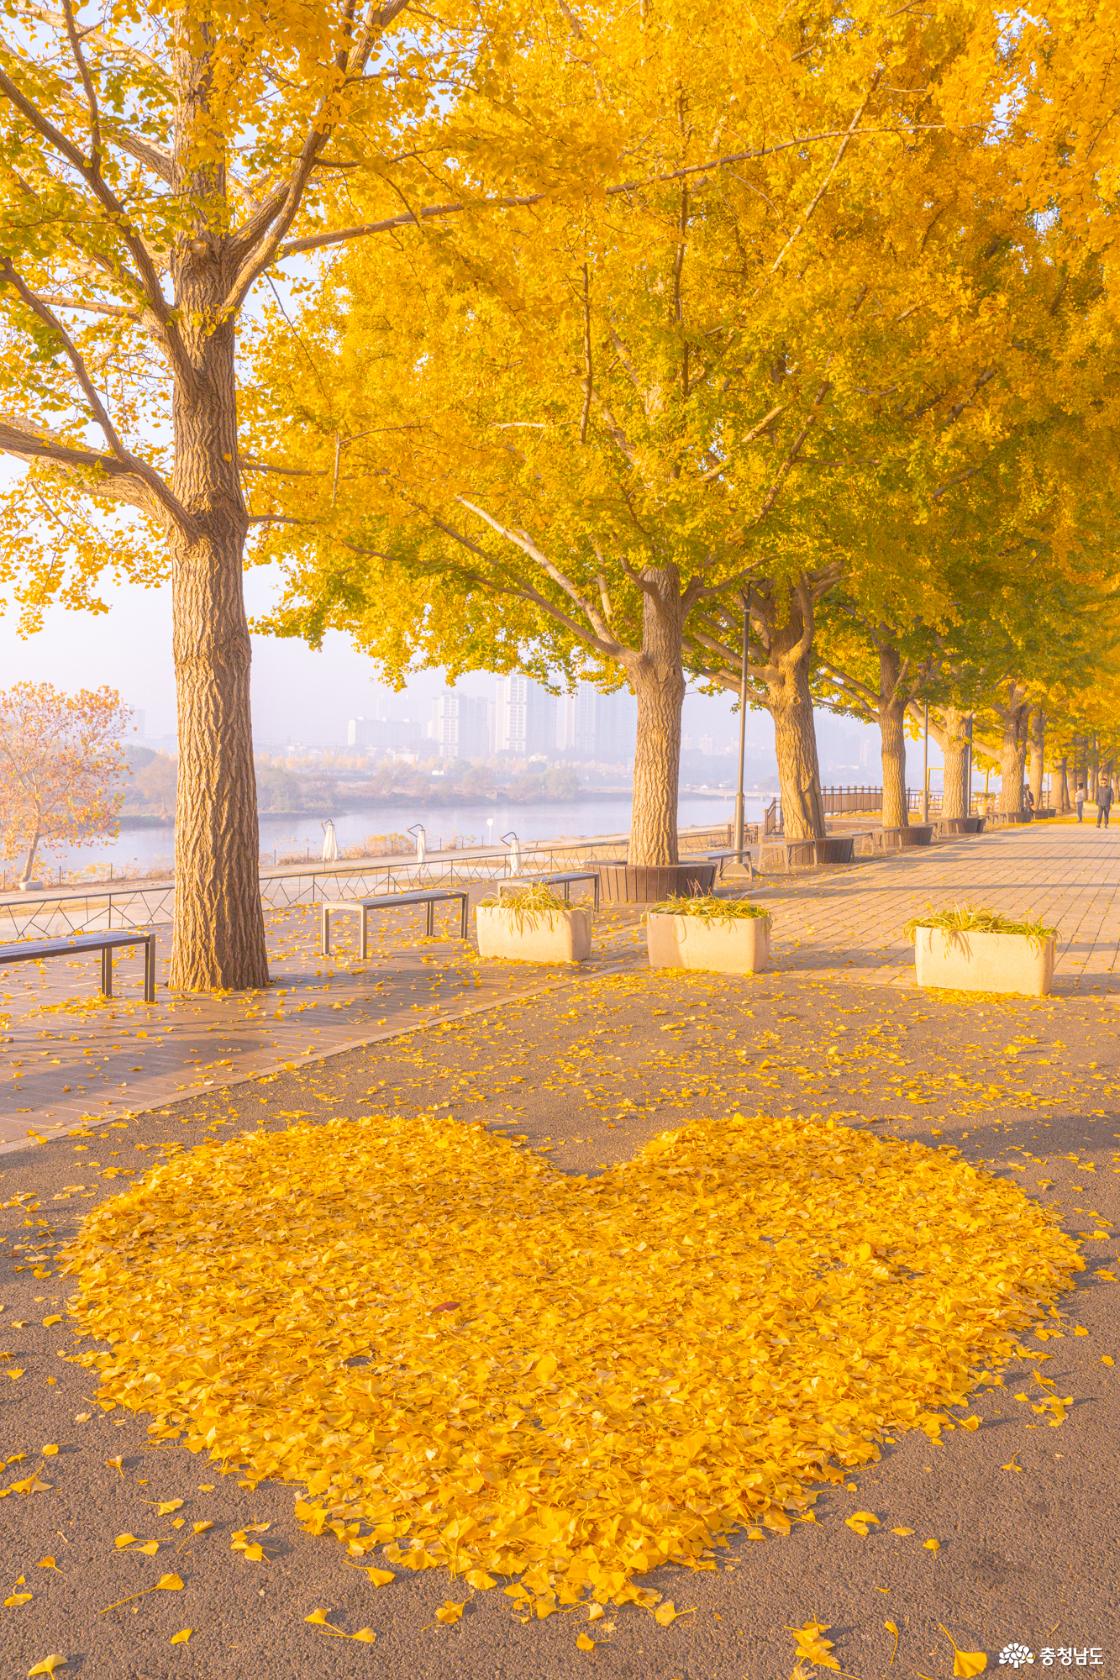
<point x="966" y="1664"/>
<point x="471" y="1361"/>
<point x="812" y="1646"/>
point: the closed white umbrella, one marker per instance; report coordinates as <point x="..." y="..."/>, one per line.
<point x="330" y="842"/>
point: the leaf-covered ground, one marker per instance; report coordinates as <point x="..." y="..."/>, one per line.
<point x="997" y="1530"/>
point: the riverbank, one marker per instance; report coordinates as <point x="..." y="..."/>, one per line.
<point x="143" y="851"/>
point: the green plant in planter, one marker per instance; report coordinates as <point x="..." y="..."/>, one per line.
<point x="964" y="918"/>
<point x="711" y="909"/>
<point x="530" y="905"/>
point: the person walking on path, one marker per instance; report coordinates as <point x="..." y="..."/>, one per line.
<point x="1079" y="799"/>
<point x="1104" y="803"/>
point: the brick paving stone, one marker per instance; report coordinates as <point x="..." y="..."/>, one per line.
<point x="70" y="1057"/>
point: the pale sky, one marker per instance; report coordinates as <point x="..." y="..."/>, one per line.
<point x="297" y="693"/>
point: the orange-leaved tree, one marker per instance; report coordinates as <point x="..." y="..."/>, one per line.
<point x="62" y="768"/>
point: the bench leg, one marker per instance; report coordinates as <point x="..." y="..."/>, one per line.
<point x="364" y="946"/>
<point x="150" y="970"/>
<point x="464" y="916"/>
<point x="595" y="892"/>
<point x="325" y="931"/>
<point x="431" y="908"/>
<point x="107" y="971"/>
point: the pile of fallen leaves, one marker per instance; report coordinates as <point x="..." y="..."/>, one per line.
<point x="475" y="1362"/>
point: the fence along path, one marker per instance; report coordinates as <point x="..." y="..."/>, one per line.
<point x="141" y="905"/>
<point x="66" y="1056"/>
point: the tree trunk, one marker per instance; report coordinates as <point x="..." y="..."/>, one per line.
<point x="218" y="940"/>
<point x="892" y="713"/>
<point x="1013" y="755"/>
<point x="657" y="678"/>
<point x="951" y="735"/>
<point x="1062" y="799"/>
<point x="1036" y="739"/>
<point x="29" y="861"/>
<point x="790" y="704"/>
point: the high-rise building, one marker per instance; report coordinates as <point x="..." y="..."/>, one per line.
<point x="383" y="734"/>
<point x="595" y="728"/>
<point x="460" y="726"/>
<point x="524" y="719"/>
<point x="616" y="722"/>
<point x="577" y="723"/>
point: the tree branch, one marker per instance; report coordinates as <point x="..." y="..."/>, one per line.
<point x="126" y="479"/>
<point x="343" y="236"/>
<point x="525" y="543"/>
<point x="849" y="135"/>
<point x="256" y="246"/>
<point x="42" y="311"/>
<point x="146" y="279"/>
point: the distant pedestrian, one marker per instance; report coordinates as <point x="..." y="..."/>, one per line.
<point x="1104" y="803"/>
<point x="1079" y="799"/>
<point x="1028" y="799"/>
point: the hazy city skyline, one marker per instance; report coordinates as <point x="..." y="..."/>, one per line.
<point x="304" y="696"/>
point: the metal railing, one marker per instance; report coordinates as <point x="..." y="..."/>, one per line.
<point x="52" y="915"/>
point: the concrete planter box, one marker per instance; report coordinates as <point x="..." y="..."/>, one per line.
<point x="513" y="936"/>
<point x="1043" y="813"/>
<point x="637" y="883"/>
<point x="984" y="962"/>
<point x="740" y="945"/>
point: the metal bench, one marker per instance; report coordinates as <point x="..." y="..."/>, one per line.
<point x="722" y="858"/>
<point x="35" y="950"/>
<point x="361" y="908"/>
<point x="560" y="878"/>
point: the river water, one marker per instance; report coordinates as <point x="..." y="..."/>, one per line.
<point x="147" y="849"/>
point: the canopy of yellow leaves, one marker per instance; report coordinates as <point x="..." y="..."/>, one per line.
<point x="476" y="1362"/>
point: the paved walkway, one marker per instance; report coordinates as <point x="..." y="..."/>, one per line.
<point x="847" y="921"/>
<point x="68" y="1057"/>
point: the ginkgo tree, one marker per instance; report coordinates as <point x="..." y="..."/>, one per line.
<point x="158" y="162"/>
<point x="571" y="441"/>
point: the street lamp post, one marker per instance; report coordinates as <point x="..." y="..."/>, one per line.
<point x="925" y="766"/>
<point x="740" y="792"/>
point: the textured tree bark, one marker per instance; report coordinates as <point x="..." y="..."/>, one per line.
<point x="657" y="678"/>
<point x="790" y="704"/>
<point x="1013" y="753"/>
<point x="1062" y="801"/>
<point x="218" y="938"/>
<point x="950" y="731"/>
<point x="892" y="735"/>
<point x="1036" y="749"/>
